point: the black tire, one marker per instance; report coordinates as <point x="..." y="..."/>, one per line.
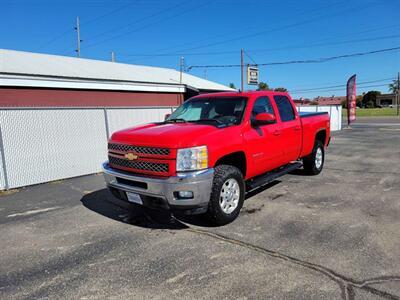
<point x="309" y="162"/>
<point x="214" y="211"/>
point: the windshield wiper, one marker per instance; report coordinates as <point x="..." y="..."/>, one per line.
<point x="209" y="120"/>
<point x="176" y="120"/>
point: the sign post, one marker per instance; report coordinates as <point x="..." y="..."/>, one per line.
<point x="252" y="75"/>
<point x="351" y="99"/>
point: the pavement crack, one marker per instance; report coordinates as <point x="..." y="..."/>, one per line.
<point x="362" y="171"/>
<point x="346" y="284"/>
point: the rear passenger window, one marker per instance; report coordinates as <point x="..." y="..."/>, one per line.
<point x="285" y="108"/>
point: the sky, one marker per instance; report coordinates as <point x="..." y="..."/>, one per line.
<point x="204" y="32"/>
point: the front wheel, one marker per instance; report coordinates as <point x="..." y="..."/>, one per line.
<point x="227" y="195"/>
<point x="314" y="162"/>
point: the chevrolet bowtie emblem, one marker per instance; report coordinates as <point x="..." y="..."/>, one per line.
<point x="131" y="156"/>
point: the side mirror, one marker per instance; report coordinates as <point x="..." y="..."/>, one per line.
<point x="166" y="117"/>
<point x="264" y="118"/>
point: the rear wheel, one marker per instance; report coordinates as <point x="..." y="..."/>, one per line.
<point x="227" y="195"/>
<point x="314" y="162"/>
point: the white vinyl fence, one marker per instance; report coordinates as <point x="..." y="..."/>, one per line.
<point x="40" y="145"/>
<point x="44" y="144"/>
<point x="335" y="113"/>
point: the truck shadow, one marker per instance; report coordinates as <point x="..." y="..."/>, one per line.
<point x="299" y="172"/>
<point x="105" y="204"/>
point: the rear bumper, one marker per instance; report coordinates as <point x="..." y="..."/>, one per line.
<point x="162" y="193"/>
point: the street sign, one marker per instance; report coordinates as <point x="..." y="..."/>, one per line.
<point x="252" y="75"/>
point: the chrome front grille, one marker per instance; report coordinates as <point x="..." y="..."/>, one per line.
<point x="139" y="165"/>
<point x="138" y="149"/>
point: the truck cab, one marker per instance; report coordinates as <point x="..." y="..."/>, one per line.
<point x="212" y="149"/>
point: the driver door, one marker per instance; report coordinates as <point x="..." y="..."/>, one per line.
<point x="264" y="142"/>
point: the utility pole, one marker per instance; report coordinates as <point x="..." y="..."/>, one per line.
<point x="398" y="92"/>
<point x="78" y="38"/>
<point x="181" y="66"/>
<point x="242" y="68"/>
<point x="112" y="56"/>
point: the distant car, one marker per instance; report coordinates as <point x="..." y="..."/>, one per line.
<point x="379" y="106"/>
<point x="391" y="106"/>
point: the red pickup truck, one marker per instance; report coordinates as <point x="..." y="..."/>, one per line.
<point x="214" y="148"/>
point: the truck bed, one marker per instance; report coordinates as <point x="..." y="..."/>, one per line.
<point x="312" y="123"/>
<point x="311" y="114"/>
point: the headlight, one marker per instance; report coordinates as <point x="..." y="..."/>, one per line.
<point x="191" y="159"/>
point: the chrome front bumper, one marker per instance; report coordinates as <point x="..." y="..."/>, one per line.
<point x="199" y="182"/>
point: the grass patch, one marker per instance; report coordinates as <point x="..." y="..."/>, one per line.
<point x="56" y="181"/>
<point x="373" y="112"/>
<point x="8" y="192"/>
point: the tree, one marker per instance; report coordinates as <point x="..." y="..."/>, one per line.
<point x="394" y="86"/>
<point x="262" y="86"/>
<point x="232" y="86"/>
<point x="369" y="99"/>
<point x="359" y="100"/>
<point x="280" y="89"/>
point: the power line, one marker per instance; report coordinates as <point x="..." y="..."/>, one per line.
<point x="109" y="13"/>
<point x="292" y="25"/>
<point x="263" y="50"/>
<point x="307" y="61"/>
<point x="84" y="23"/>
<point x="337" y="86"/>
<point x="249" y="57"/>
<point x="181" y="52"/>
<point x="340" y="89"/>
<point x="55" y="38"/>
<point x="251" y="27"/>
<point x="137" y="21"/>
<point x="326" y="44"/>
<point x="150" y="24"/>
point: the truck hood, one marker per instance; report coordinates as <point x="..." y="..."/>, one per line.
<point x="166" y="135"/>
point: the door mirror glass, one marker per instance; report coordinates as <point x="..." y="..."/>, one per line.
<point x="265" y="118"/>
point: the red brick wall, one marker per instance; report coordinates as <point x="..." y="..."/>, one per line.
<point x="24" y="97"/>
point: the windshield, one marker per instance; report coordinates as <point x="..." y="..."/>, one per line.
<point x="218" y="110"/>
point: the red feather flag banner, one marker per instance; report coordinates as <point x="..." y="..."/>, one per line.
<point x="351" y="99"/>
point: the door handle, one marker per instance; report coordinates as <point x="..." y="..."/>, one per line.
<point x="277" y="132"/>
<point x="297" y="128"/>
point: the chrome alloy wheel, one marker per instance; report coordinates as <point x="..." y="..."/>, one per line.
<point x="318" y="158"/>
<point x="229" y="196"/>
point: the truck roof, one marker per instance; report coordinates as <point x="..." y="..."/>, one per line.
<point x="243" y="94"/>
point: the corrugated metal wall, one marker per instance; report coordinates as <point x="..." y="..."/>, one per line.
<point x="41" y="145"/>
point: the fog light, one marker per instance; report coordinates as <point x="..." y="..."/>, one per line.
<point x="185" y="195"/>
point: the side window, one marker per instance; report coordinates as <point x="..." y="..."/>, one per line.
<point x="285" y="108"/>
<point x="262" y="105"/>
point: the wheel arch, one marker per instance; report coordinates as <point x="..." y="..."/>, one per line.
<point x="321" y="136"/>
<point x="236" y="159"/>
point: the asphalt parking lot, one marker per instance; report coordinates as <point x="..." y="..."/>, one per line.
<point x="332" y="236"/>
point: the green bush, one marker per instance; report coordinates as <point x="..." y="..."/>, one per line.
<point x="370" y="104"/>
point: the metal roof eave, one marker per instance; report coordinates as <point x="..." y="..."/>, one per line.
<point x="10" y="80"/>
